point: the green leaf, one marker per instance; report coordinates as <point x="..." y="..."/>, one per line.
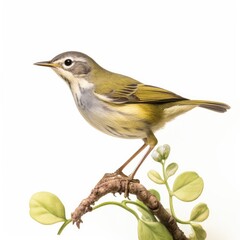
<point x="199" y="213"/>
<point x="155" y="177"/>
<point x="152" y="231"/>
<point x="146" y="213"/>
<point x="188" y="186"/>
<point x="171" y="169"/>
<point x="46" y="208"/>
<point x="199" y="232"/>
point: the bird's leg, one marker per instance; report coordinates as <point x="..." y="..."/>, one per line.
<point x="131" y="176"/>
<point x="152" y="142"/>
<point x="119" y="171"/>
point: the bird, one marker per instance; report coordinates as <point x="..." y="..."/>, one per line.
<point x="119" y="105"/>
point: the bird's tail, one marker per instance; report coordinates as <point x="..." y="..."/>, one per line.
<point x="211" y="105"/>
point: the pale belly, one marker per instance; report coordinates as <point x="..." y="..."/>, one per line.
<point x="120" y="121"/>
<point x="110" y="119"/>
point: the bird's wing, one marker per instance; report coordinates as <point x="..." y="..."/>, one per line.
<point x="139" y="93"/>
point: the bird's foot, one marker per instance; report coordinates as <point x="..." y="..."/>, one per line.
<point x="127" y="180"/>
<point x="124" y="179"/>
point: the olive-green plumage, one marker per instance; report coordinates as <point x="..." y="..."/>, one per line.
<point x="119" y="105"/>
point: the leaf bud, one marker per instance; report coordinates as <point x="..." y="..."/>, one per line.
<point x="164" y="151"/>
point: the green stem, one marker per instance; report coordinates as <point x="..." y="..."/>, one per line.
<point x="122" y="205"/>
<point x="64" y="225"/>
<point x="142" y="207"/>
<point x="170" y="194"/>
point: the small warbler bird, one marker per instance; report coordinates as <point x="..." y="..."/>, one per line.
<point x="121" y="106"/>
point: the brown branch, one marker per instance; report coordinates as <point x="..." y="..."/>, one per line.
<point x="113" y="183"/>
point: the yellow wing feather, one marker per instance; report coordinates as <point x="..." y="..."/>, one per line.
<point x="140" y="93"/>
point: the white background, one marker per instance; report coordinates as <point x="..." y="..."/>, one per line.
<point x="188" y="47"/>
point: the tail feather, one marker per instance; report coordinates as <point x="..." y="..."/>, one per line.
<point x="214" y="106"/>
<point x="219" y="107"/>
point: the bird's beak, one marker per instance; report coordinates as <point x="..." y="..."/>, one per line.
<point x="46" y="64"/>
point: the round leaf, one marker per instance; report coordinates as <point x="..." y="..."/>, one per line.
<point x="199" y="232"/>
<point x="171" y="169"/>
<point x="155" y="177"/>
<point x="46" y="208"/>
<point x="188" y="186"/>
<point x="199" y="213"/>
<point x="152" y="230"/>
<point x="144" y="210"/>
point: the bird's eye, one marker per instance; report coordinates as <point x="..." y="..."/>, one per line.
<point x="68" y="62"/>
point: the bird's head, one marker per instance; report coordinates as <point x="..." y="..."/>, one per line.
<point x="71" y="65"/>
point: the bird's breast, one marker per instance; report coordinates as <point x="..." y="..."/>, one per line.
<point x="113" y="119"/>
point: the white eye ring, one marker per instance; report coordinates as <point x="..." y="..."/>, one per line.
<point x="68" y="62"/>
